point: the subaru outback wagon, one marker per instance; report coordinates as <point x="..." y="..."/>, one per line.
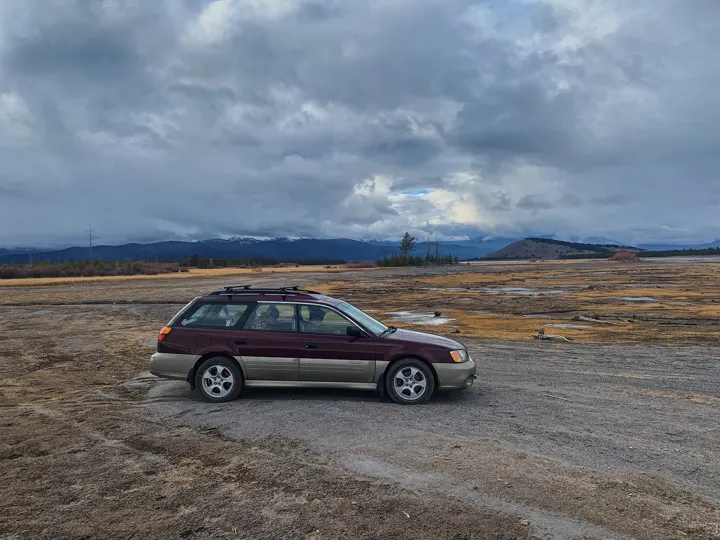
<point x="241" y="337"/>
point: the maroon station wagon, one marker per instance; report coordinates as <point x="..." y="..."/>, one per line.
<point x="242" y="337"/>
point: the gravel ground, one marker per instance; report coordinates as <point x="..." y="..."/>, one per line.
<point x="598" y="441"/>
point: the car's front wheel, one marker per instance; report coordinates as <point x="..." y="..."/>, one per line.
<point x="410" y="382"/>
<point x="218" y="380"/>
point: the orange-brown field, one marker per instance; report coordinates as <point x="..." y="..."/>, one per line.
<point x="647" y="302"/>
<point x="191" y="274"/>
<point x="650" y="302"/>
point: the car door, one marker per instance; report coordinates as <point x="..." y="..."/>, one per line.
<point x="268" y="349"/>
<point x="327" y="353"/>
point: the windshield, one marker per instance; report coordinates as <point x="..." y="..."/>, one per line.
<point x="376" y="327"/>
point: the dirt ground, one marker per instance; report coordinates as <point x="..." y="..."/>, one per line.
<point x="614" y="435"/>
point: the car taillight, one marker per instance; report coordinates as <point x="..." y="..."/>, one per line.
<point x="163" y="333"/>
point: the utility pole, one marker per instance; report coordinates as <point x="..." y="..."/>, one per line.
<point x="91" y="231"/>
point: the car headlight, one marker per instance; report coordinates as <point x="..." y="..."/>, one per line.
<point x="459" y="356"/>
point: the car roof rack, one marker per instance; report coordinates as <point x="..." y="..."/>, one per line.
<point x="233" y="290"/>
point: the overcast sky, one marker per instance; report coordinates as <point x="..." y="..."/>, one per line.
<point x="358" y="118"/>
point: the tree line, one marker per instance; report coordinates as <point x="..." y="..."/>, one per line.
<point x="196" y="261"/>
<point x="702" y="252"/>
<point x="404" y="258"/>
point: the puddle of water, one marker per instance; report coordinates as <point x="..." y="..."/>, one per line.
<point x="523" y="291"/>
<point x="462" y="300"/>
<point x="634" y="298"/>
<point x="444" y="289"/>
<point x="418" y="318"/>
<point x="562" y="325"/>
<point x="39" y="312"/>
<point x="656" y="285"/>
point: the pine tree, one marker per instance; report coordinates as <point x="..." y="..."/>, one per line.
<point x="407" y="245"/>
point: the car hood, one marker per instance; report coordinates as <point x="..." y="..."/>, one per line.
<point x="411" y="336"/>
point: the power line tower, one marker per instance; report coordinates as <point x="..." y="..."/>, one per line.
<point x="90" y="244"/>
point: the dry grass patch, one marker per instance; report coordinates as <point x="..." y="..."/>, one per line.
<point x="192" y="273"/>
<point x="660" y="301"/>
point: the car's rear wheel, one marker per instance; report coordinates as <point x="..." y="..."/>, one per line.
<point x="410" y="382"/>
<point x="218" y="380"/>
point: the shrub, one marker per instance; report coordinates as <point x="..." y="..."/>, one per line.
<point x="85" y="269"/>
<point x="8" y="272"/>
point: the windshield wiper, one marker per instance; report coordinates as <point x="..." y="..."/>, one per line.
<point x="388" y="330"/>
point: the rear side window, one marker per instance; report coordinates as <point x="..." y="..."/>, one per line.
<point x="214" y="315"/>
<point x="272" y="318"/>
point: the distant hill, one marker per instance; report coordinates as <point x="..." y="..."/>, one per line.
<point x="251" y="248"/>
<point x="551" y="249"/>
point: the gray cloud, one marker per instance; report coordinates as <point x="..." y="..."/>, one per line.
<point x="611" y="199"/>
<point x="570" y="199"/>
<point x="194" y="118"/>
<point x="534" y="201"/>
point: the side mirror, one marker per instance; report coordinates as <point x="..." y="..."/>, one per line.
<point x="354" y="331"/>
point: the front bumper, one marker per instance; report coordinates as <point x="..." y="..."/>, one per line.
<point x="172" y="366"/>
<point x="456" y="376"/>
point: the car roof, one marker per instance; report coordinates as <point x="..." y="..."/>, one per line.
<point x="284" y="294"/>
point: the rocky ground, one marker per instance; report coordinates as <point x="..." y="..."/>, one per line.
<point x="580" y="440"/>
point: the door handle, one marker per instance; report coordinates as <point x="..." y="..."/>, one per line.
<point x="310" y="346"/>
<point x="240" y="342"/>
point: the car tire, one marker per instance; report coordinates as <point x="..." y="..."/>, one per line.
<point x="219" y="380"/>
<point x="405" y="379"/>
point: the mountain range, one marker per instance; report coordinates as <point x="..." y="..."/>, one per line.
<point x="251" y="248"/>
<point x="295" y="249"/>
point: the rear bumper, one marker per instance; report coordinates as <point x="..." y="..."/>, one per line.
<point x="172" y="366"/>
<point x="455" y="376"/>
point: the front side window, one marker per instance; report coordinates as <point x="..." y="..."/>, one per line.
<point x="214" y="315"/>
<point x="376" y="327"/>
<point x="272" y="318"/>
<point x="320" y="320"/>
